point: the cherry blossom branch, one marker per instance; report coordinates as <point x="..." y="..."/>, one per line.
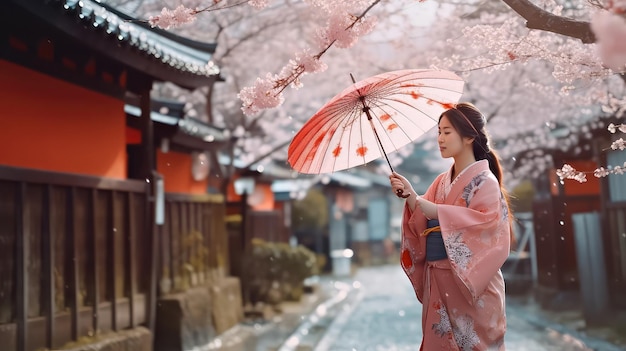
<point x="184" y="15"/>
<point x="607" y="28"/>
<point x="342" y="31"/>
<point x="537" y="18"/>
<point x="568" y="172"/>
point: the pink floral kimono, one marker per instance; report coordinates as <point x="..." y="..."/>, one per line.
<point x="463" y="294"/>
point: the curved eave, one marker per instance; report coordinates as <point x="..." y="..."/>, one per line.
<point x="130" y="44"/>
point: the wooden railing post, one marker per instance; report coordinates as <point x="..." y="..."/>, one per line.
<point x="95" y="255"/>
<point x="131" y="235"/>
<point x="153" y="245"/>
<point x="112" y="259"/>
<point x="21" y="258"/>
<point x="48" y="266"/>
<point x="73" y="253"/>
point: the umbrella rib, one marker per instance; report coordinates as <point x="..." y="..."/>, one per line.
<point x="358" y="115"/>
<point x="341" y="135"/>
<point x="317" y="121"/>
<point x="398" y="111"/>
<point x="380" y="106"/>
<point x="396" y="86"/>
<point x="338" y="123"/>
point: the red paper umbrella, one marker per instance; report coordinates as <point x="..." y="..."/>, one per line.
<point x="374" y="116"/>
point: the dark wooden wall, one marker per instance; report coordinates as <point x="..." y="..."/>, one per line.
<point x="76" y="254"/>
<point x="615" y="238"/>
<point x="555" y="242"/>
<point x="73" y="258"/>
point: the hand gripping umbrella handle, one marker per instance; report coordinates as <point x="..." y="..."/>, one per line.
<point x="400" y="193"/>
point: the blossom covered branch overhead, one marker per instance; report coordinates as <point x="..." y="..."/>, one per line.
<point x="347" y="21"/>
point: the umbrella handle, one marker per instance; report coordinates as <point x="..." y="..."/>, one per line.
<point x="400" y="193"/>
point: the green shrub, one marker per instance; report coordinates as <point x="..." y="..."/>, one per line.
<point x="274" y="272"/>
<point x="310" y="213"/>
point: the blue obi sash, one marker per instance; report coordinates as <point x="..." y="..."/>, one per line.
<point x="435" y="249"/>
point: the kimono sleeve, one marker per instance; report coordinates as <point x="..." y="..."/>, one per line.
<point x="476" y="235"/>
<point x="413" y="252"/>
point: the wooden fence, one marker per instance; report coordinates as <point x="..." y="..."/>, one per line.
<point x="556" y="252"/>
<point x="73" y="257"/>
<point x="556" y="257"/>
<point x="265" y="225"/>
<point x="193" y="241"/>
<point x="615" y="239"/>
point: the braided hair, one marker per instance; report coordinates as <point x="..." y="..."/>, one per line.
<point x="469" y="122"/>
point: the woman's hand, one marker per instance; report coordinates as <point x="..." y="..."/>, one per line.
<point x="400" y="185"/>
<point x="403" y="188"/>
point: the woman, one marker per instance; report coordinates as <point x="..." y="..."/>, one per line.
<point x="456" y="237"/>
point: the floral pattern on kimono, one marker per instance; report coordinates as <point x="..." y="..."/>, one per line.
<point x="464" y="333"/>
<point x="443" y="327"/>
<point x="467" y="286"/>
<point x="458" y="251"/>
<point x="472" y="188"/>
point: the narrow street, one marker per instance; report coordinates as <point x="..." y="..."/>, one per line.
<point x="385" y="315"/>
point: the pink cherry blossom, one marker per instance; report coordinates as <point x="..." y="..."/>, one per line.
<point x="601" y="172"/>
<point x="613" y="128"/>
<point x="259" y="4"/>
<point x="344" y="30"/>
<point x="263" y="95"/>
<point x="310" y="63"/>
<point x="610" y="30"/>
<point x="568" y="172"/>
<point x="618" y="144"/>
<point x="168" y="18"/>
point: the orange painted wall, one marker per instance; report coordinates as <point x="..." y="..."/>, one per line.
<point x="176" y="170"/>
<point x="262" y="199"/>
<point x="53" y="125"/>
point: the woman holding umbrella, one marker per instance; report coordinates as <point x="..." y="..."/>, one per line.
<point x="456" y="237"/>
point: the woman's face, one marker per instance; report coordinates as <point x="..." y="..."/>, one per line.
<point x="451" y="144"/>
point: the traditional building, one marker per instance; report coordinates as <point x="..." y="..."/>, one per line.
<point x="93" y="174"/>
<point x="579" y="227"/>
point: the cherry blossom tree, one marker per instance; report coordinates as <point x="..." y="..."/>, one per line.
<point x="565" y="57"/>
<point x="250" y="41"/>
<point x="547" y="63"/>
<point x="347" y="21"/>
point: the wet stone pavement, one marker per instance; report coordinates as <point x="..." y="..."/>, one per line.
<point x="388" y="317"/>
<point x="376" y="310"/>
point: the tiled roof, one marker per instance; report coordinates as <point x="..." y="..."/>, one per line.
<point x="169" y="50"/>
<point x="187" y="125"/>
<point x="127" y="29"/>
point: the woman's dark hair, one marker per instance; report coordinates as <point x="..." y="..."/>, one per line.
<point x="469" y="122"/>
